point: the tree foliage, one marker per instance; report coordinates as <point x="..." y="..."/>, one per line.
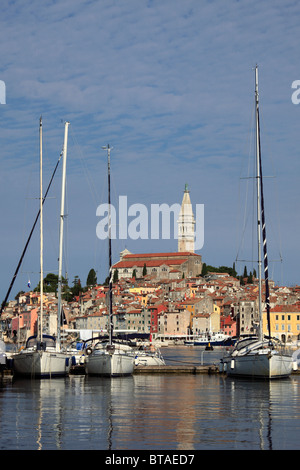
<point x="92" y="278"/>
<point x="206" y="268"/>
<point x="144" y="270"/>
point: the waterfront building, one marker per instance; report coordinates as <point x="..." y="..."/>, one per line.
<point x="285" y="322"/>
<point x="174" y="323"/>
<point x="24" y="324"/>
<point x="155" y="311"/>
<point x="228" y="325"/>
<point x="207" y="322"/>
<point x="246" y="315"/>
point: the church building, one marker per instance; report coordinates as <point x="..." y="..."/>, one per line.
<point x="184" y="263"/>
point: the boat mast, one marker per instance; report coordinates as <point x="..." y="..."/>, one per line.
<point x="258" y="177"/>
<point x="28" y="240"/>
<point x="61" y="232"/>
<point x="264" y="234"/>
<point x="110" y="327"/>
<point x="41" y="230"/>
<point x="261" y="220"/>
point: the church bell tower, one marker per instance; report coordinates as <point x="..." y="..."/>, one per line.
<point x="186" y="224"/>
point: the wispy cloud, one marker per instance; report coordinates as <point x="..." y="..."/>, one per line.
<point x="170" y="86"/>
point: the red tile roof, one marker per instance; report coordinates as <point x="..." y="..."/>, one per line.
<point x="286" y="308"/>
<point x="149" y="263"/>
<point x="160" y="255"/>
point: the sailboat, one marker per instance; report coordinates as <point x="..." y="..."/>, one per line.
<point x="259" y="356"/>
<point x="42" y="356"/>
<point x="110" y="357"/>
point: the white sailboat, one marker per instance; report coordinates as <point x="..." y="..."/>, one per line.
<point x="148" y="356"/>
<point x="110" y="358"/>
<point x="42" y="356"/>
<point x="259" y="357"/>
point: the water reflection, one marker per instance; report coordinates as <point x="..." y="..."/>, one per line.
<point x="155" y="412"/>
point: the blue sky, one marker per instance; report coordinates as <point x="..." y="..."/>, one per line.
<point x="170" y="85"/>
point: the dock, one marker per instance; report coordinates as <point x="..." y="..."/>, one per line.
<point x="178" y="369"/>
<point x="7" y="375"/>
<point x="169" y="369"/>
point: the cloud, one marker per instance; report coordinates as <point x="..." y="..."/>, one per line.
<point x="170" y="86"/>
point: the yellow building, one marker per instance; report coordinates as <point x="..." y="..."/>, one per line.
<point x="285" y="322"/>
<point x="203" y="317"/>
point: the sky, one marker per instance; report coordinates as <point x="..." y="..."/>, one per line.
<point x="170" y="86"/>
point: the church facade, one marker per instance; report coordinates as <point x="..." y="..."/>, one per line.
<point x="184" y="263"/>
<point x="159" y="265"/>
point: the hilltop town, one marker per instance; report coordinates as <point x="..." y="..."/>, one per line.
<point x="162" y="296"/>
<point x="163" y="308"/>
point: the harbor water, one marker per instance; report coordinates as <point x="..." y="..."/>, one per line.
<point x="179" y="412"/>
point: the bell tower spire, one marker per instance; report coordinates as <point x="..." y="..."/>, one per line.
<point x="186" y="224"/>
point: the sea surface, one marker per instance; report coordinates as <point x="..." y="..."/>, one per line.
<point x="152" y="412"/>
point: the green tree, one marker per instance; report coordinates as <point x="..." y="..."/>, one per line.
<point x="204" y="269"/>
<point x="18" y="294"/>
<point x="116" y="276"/>
<point x="50" y="284"/>
<point x="234" y="273"/>
<point x="92" y="278"/>
<point x="144" y="270"/>
<point x="76" y="289"/>
<point x="134" y="273"/>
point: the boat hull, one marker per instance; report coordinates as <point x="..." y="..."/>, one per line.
<point x="217" y="339"/>
<point x="148" y="360"/>
<point x="109" y="364"/>
<point x="41" y="364"/>
<point x="266" y="365"/>
<point x="207" y="342"/>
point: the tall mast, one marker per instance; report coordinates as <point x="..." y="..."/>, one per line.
<point x="28" y="240"/>
<point x="41" y="230"/>
<point x="261" y="218"/>
<point x="110" y="331"/>
<point x="264" y="233"/>
<point x="61" y="232"/>
<point x="258" y="176"/>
